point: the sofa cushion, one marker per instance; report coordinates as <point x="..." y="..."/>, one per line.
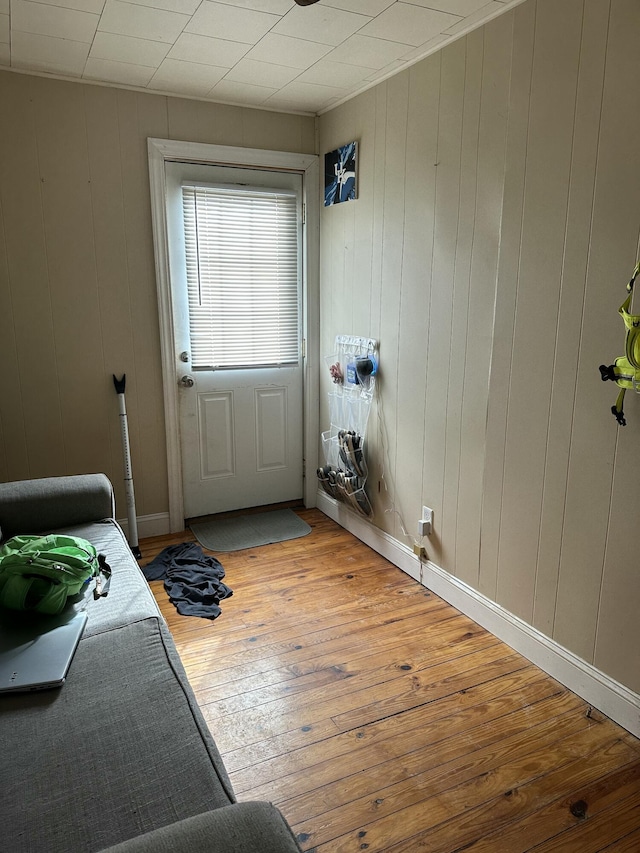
<point x="120" y="749"/>
<point x="38" y="506"/>
<point x="130" y="598"/>
<point x="244" y="828"/>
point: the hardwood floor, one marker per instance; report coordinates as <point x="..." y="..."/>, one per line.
<point x="378" y="718"/>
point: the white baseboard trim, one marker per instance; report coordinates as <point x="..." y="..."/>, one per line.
<point x="148" y="525"/>
<point x="595" y="687"/>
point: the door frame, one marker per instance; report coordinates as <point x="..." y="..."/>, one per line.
<point x="159" y="151"/>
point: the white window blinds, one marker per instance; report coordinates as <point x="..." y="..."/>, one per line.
<point x="242" y="276"/>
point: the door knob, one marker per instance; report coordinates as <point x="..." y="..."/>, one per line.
<point x="186" y="381"/>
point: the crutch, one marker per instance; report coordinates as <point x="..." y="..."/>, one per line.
<point x="128" y="474"/>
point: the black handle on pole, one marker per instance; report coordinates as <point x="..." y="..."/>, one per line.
<point x="120" y="383"/>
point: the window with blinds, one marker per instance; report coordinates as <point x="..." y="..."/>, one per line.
<point x="242" y="276"/>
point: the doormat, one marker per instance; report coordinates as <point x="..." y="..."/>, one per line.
<point x="249" y="531"/>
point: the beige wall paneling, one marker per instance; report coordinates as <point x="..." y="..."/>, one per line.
<point x="523" y="21"/>
<point x="347" y="261"/>
<point x="13" y="444"/>
<point x="308" y="136"/>
<point x="468" y="68"/>
<point x="9" y="386"/>
<point x="351" y="269"/>
<point x="377" y="447"/>
<point x="225" y="124"/>
<point x="343" y="216"/>
<point x="456" y="106"/>
<point x="496" y="57"/>
<point x="393" y="212"/>
<point x="333" y="267"/>
<point x="336" y="302"/>
<point x="377" y="227"/>
<point x="616" y="645"/>
<point x="555" y="62"/>
<point x="348" y="271"/>
<point x="616" y="641"/>
<point x="364" y="108"/>
<point x="612" y="253"/>
<point x="140" y="117"/>
<point x="197" y="121"/>
<point x="338" y="306"/>
<point x="31" y="413"/>
<point x="114" y="286"/>
<point x="417" y="254"/>
<point x="548" y="496"/>
<point x="68" y="226"/>
<point x="607" y="581"/>
<point x="356" y="120"/>
<point x="574" y="269"/>
<point x="348" y="312"/>
<point x="357" y="234"/>
<point x="330" y="254"/>
<point x="278" y="131"/>
<point x="3" y="461"/>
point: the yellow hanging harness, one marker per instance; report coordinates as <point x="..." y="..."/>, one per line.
<point x="625" y="371"/>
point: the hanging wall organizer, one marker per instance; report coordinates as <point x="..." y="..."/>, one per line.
<point x="353" y="367"/>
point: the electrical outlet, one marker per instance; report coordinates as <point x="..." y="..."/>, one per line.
<point x="426" y="522"/>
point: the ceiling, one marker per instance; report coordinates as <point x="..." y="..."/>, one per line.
<point x="271" y="54"/>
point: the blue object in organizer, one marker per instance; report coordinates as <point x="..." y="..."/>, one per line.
<point x="352" y="374"/>
<point x="359" y="371"/>
<point x="365" y="367"/>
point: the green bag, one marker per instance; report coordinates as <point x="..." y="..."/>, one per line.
<point x="625" y="370"/>
<point x="39" y="573"/>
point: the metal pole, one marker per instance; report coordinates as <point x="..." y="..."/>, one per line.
<point x="128" y="474"/>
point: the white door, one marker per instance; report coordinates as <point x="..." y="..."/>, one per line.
<point x="235" y="267"/>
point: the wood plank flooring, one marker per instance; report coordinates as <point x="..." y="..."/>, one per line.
<point x="379" y="718"/>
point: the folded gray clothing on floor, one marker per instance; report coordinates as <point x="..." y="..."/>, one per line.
<point x="192" y="579"/>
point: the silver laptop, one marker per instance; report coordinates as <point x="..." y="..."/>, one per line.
<point x="36" y="651"/>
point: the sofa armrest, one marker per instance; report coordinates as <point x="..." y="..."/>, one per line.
<point x="38" y="506"/>
<point x="240" y="828"/>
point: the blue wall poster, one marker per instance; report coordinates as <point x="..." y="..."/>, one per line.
<point x="340" y="174"/>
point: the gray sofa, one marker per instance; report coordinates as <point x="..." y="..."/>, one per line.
<point x="119" y="758"/>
